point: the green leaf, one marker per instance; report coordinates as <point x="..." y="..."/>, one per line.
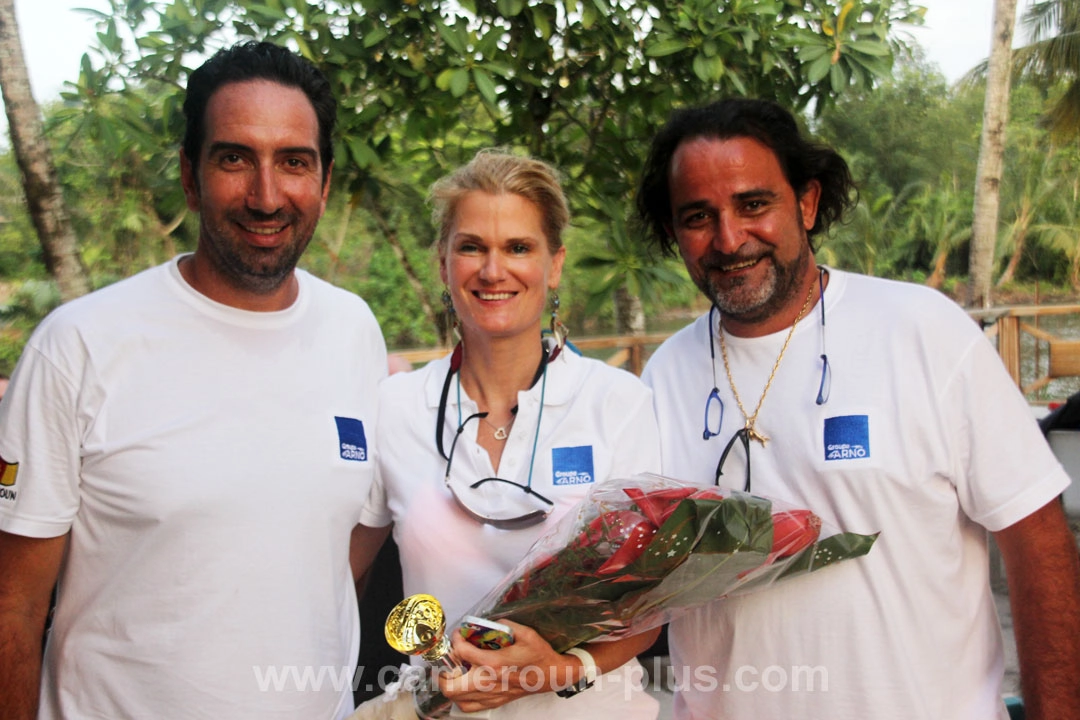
<point x="375" y="36"/>
<point x="809" y="53"/>
<point x="869" y="47"/>
<point x="833" y="549"/>
<point x="443" y="80"/>
<point x="459" y="82"/>
<point x="452" y="37"/>
<point x="818" y="69"/>
<point x="486" y="86"/>
<point x="540" y="19"/>
<point x="666" y="47"/>
<point x="488" y="45"/>
<point x="589" y="15"/>
<point x="361" y="152"/>
<point x="708" y="69"/>
<point x="510" y="8"/>
<point x="838" y="78"/>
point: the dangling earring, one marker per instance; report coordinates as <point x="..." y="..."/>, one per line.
<point x="558" y="330"/>
<point x="451" y="314"/>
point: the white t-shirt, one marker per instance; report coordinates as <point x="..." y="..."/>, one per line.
<point x="597" y="424"/>
<point x="209" y="464"/>
<point x="924" y="438"/>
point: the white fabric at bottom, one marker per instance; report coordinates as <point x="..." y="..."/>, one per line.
<point x="210" y="464"/>
<point x="590" y="412"/>
<point x="923" y="438"/>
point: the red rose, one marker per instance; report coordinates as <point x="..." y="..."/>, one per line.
<point x="620" y="535"/>
<point x="793" y="530"/>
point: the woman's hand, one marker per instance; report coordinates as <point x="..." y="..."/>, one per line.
<point x="529" y="666"/>
<point x="497" y="677"/>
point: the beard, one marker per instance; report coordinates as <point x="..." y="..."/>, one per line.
<point x="253" y="269"/>
<point x="751" y="301"/>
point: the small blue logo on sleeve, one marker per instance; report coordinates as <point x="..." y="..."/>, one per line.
<point x="572" y="465"/>
<point x="351" y="439"/>
<point x="847" y="437"/>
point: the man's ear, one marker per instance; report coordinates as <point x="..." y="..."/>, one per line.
<point x="326" y="188"/>
<point x="189" y="182"/>
<point x="808" y="203"/>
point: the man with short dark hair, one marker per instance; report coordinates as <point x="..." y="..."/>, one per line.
<point x="878" y="405"/>
<point x="187" y="450"/>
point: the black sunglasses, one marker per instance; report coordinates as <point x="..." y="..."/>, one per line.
<point x="542" y="506"/>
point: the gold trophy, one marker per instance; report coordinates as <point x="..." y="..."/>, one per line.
<point x="417" y="626"/>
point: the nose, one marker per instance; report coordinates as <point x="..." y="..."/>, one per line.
<point x="492" y="270"/>
<point x="729" y="235"/>
<point x="264" y="193"/>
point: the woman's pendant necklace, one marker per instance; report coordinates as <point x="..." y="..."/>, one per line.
<point x="751" y="420"/>
<point x="501" y="433"/>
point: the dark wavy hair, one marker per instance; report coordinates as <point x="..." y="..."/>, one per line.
<point x="258" y="61"/>
<point x="801" y="160"/>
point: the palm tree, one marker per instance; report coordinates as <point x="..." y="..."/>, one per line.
<point x="865" y="242"/>
<point x="43" y="195"/>
<point x="938" y="222"/>
<point x="1054" y="57"/>
<point x="1039" y="186"/>
<point x="626" y="270"/>
<point x="991" y="154"/>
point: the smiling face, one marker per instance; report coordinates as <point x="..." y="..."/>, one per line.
<point x="741" y="230"/>
<point x="259" y="190"/>
<point x="498" y="267"/>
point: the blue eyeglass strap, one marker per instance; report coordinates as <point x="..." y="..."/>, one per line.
<point x="539" y="417"/>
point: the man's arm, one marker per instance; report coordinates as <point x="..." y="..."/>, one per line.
<point x="364" y="544"/>
<point x="28" y="571"/>
<point x="1043" y="570"/>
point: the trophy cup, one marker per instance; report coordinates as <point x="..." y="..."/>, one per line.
<point x="417" y="626"/>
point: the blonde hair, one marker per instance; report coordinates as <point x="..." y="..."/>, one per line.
<point x="498" y="172"/>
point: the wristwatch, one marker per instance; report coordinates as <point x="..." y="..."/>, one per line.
<point x="588" y="678"/>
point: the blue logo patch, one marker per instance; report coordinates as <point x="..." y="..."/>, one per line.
<point x="351" y="439"/>
<point x="847" y="437"/>
<point x="572" y="465"/>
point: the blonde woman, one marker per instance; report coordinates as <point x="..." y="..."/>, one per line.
<point x="481" y="452"/>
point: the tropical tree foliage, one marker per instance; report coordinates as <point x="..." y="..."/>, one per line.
<point x="33" y="154"/>
<point x="912" y="145"/>
<point x="1053" y="60"/>
<point x="423" y="84"/>
<point x="583" y="84"/>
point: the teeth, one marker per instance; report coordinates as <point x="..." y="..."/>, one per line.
<point x="264" y="231"/>
<point x="740" y="266"/>
<point x="495" y="296"/>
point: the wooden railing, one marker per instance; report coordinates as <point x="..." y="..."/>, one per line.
<point x="1007" y="324"/>
<point x="627" y="351"/>
<point x="1010" y="325"/>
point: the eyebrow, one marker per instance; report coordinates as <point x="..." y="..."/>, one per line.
<point x="741" y="197"/>
<point x="756" y="194"/>
<point x="220" y="147"/>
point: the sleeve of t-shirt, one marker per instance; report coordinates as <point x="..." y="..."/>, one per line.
<point x="40" y="446"/>
<point x="1005" y="469"/>
<point x="637" y="448"/>
<point x="376" y="511"/>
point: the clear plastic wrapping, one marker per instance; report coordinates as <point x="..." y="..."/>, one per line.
<point x="637" y="552"/>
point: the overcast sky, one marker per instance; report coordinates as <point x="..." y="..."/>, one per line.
<point x="54" y="35"/>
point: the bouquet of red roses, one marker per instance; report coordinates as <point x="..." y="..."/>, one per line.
<point x="637" y="552"/>
<point x="633" y="555"/>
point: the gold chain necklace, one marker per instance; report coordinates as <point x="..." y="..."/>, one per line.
<point x="752" y="419"/>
